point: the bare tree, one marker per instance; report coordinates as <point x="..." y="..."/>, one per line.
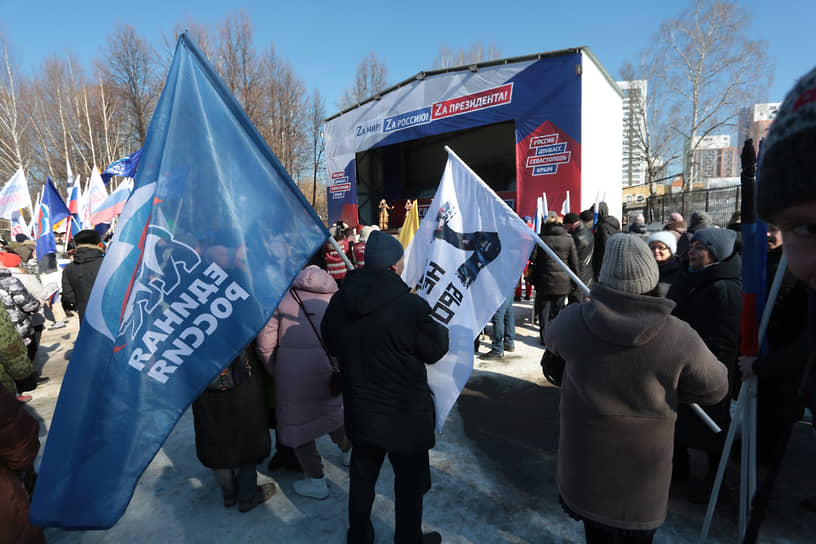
<point x="200" y="33"/>
<point x="368" y="81"/>
<point x="711" y="69"/>
<point x="131" y="67"/>
<point x="449" y="58"/>
<point x="648" y="129"/>
<point x="238" y="63"/>
<point x="285" y="123"/>
<point x="317" y="112"/>
<point x="12" y="125"/>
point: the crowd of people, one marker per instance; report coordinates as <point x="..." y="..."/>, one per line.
<point x="345" y="355"/>
<point x="660" y="329"/>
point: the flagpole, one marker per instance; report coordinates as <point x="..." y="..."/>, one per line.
<point x="748" y="389"/>
<point x="340" y="252"/>
<point x="694" y="406"/>
<point x="537" y="238"/>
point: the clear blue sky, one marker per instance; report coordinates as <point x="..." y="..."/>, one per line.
<point x="325" y="41"/>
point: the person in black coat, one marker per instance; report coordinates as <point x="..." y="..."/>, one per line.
<point x="231" y="431"/>
<point x="552" y="283"/>
<point x="231" y="417"/>
<point x="584" y="246"/>
<point x="607" y="226"/>
<point x="80" y="274"/>
<point x="709" y="298"/>
<point x="383" y="336"/>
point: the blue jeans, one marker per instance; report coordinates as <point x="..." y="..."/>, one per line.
<point x="504" y="326"/>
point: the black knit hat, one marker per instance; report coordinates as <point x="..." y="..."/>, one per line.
<point x="382" y="250"/>
<point x="571" y="217"/>
<point x="788" y="158"/>
<point x="587" y="215"/>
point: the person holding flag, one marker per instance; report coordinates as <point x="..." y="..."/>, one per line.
<point x="628" y="364"/>
<point x="786" y="196"/>
<point x="383" y="336"/>
<point x="552" y="284"/>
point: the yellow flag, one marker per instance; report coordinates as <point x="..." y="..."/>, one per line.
<point x="410" y="226"/>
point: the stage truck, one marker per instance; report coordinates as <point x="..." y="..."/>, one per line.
<point x="545" y="123"/>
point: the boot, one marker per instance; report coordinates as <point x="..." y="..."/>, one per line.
<point x="286" y="461"/>
<point x="431" y="538"/>
<point x="262" y="494"/>
<point x="315" y="488"/>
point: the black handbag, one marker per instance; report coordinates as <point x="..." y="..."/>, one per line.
<point x="335" y="383"/>
<point x="552" y="366"/>
<point x="232" y="376"/>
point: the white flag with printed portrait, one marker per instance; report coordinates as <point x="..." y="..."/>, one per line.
<point x="465" y="260"/>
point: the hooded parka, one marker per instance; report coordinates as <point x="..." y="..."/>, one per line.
<point x="629" y="365"/>
<point x="292" y="353"/>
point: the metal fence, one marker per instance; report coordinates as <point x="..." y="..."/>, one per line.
<point x="719" y="203"/>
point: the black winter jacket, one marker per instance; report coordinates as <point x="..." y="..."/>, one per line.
<point x="584" y="245"/>
<point x="548" y="276"/>
<point x="606" y="227"/>
<point x="78" y="279"/>
<point x="710" y="300"/>
<point x="383" y="336"/>
<point x="668" y="273"/>
<point x="231" y="426"/>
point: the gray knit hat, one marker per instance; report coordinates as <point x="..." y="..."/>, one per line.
<point x="628" y="265"/>
<point x="788" y="159"/>
<point x="718" y="242"/>
<point x="700" y="220"/>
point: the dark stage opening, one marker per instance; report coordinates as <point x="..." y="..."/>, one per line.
<point x="414" y="168"/>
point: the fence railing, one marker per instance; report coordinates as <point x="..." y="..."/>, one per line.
<point x="719" y="203"/>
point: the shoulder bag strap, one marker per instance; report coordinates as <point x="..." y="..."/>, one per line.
<point x="317" y="333"/>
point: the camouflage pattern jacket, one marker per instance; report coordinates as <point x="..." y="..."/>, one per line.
<point x="22" y="307"/>
<point x="14" y="363"/>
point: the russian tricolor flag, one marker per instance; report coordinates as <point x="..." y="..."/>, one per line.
<point x="114" y="204"/>
<point x="73" y="198"/>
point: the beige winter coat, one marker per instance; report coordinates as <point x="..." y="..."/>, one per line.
<point x="628" y="366"/>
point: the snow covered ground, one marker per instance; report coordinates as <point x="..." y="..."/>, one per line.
<point x="493" y="473"/>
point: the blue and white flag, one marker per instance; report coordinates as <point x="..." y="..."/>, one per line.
<point x="124" y="167"/>
<point x="14" y="194"/>
<point x="18" y="225"/>
<point x="466" y="258"/>
<point x="539" y="216"/>
<point x="52" y="210"/>
<point x="209" y="241"/>
<point x="565" y="206"/>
